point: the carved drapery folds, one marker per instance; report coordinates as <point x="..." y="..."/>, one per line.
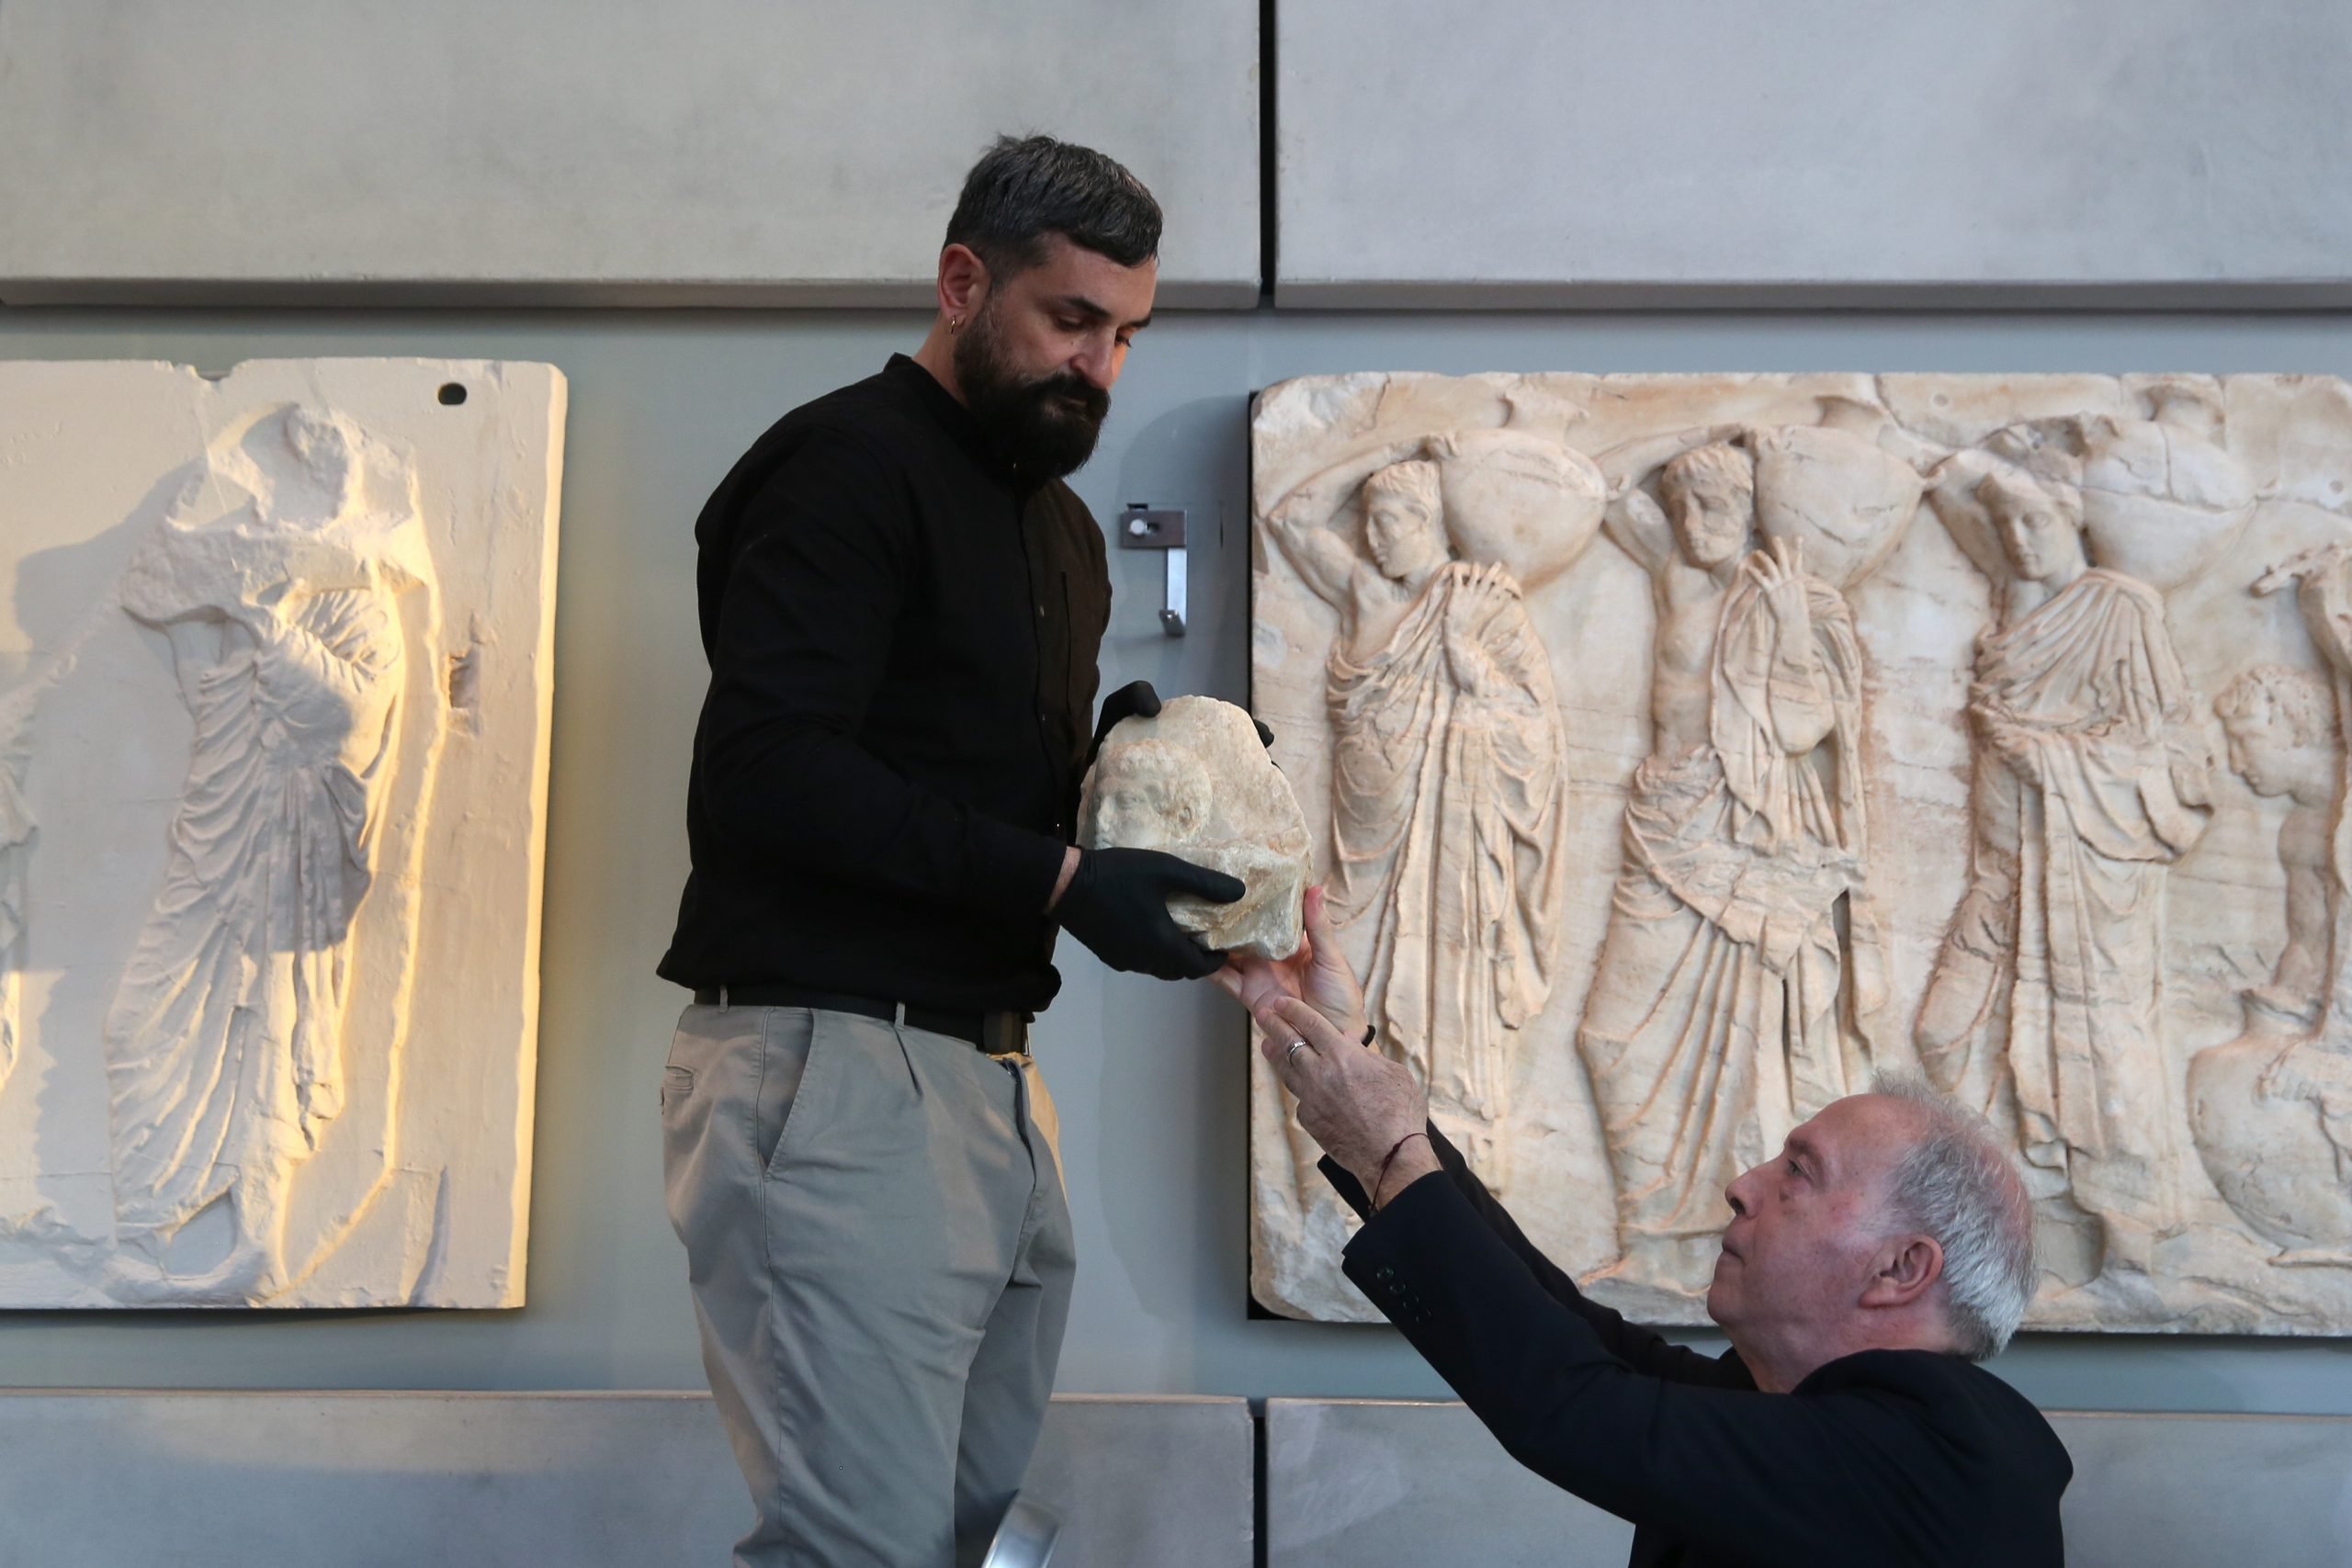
<point x="1885" y="730"/>
<point x="268" y="876"/>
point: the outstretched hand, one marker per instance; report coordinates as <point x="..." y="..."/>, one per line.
<point x="1317" y="974"/>
<point x="1359" y="1106"/>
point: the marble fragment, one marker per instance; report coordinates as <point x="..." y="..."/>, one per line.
<point x="274" y="701"/>
<point x="1693" y="747"/>
<point x="1196" y="782"/>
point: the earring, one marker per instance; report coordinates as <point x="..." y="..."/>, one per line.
<point x="955" y="323"/>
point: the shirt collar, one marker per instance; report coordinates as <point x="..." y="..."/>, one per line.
<point x="957" y="421"/>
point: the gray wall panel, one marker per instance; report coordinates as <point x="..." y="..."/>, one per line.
<point x="1365" y="1484"/>
<point x="492" y="1481"/>
<point x="1820" y="153"/>
<point x="1369" y="1485"/>
<point x="701" y="152"/>
<point x="2155" y="1491"/>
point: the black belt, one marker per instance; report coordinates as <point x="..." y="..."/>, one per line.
<point x="997" y="1033"/>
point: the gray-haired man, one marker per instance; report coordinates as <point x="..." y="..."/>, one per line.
<point x="1887" y="1248"/>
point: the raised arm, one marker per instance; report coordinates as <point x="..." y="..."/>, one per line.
<point x="1640" y="1349"/>
<point x="1848" y="1476"/>
<point x="1321" y="558"/>
<point x="1639" y="527"/>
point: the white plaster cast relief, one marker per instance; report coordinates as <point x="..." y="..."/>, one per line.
<point x="1883" y="731"/>
<point x="15" y="853"/>
<point x="268" y="868"/>
<point x="1195" y="781"/>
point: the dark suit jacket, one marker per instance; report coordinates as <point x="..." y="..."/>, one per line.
<point x="1888" y="1457"/>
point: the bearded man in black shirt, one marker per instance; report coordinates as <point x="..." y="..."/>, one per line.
<point x="902" y="604"/>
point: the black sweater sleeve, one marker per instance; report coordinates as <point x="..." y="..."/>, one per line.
<point x="1857" y="1474"/>
<point x="820" y="560"/>
<point x="1638" y="1348"/>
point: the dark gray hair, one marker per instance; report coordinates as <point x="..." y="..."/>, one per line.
<point x="1957" y="1184"/>
<point x="1026" y="187"/>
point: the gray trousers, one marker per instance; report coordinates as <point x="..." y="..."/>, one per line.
<point x="881" y="1260"/>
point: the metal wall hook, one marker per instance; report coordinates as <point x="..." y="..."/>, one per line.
<point x="1143" y="527"/>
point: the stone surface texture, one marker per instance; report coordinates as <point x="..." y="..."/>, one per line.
<point x="590" y="152"/>
<point x="275" y="660"/>
<point x="1686" y="749"/>
<point x="1196" y="782"/>
<point x="205" y="1479"/>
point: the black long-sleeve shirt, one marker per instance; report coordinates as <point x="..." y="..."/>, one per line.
<point x="902" y="637"/>
<point x="1884" y="1457"/>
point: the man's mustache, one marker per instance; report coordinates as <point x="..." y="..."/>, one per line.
<point x="1091" y="401"/>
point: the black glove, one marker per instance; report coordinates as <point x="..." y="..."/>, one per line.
<point x="1133" y="700"/>
<point x="1116" y="904"/>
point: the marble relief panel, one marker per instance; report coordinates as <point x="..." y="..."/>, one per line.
<point x="274" y="701"/>
<point x="1682" y="749"/>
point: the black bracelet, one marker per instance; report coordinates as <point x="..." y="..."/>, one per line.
<point x="1382" y="1179"/>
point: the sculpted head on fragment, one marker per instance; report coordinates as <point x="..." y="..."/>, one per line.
<point x="1150" y="795"/>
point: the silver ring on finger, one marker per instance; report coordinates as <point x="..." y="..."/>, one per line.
<point x="1295" y="1047"/>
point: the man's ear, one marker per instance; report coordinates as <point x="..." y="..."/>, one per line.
<point x="1907" y="1267"/>
<point x="963" y="282"/>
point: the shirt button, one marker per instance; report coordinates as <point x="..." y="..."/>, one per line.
<point x="1041" y="611"/>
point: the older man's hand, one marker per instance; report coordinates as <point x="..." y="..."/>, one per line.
<point x="1358" y="1104"/>
<point x="1317" y="974"/>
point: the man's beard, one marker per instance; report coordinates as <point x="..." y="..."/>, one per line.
<point x="1041" y="428"/>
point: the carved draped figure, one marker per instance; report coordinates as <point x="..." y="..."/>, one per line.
<point x="1447" y="822"/>
<point x="223" y="1038"/>
<point x="2097" y="788"/>
<point x="1713" y="1025"/>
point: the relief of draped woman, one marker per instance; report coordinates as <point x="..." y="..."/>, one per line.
<point x="1447" y="796"/>
<point x="224" y="1040"/>
<point x="2091" y="778"/>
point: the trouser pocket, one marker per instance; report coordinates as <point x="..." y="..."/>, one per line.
<point x="788" y="1071"/>
<point x="729" y="1089"/>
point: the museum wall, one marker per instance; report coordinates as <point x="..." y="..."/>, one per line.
<point x="701" y="152"/>
<point x="1831" y="153"/>
<point x="1151" y="1079"/>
